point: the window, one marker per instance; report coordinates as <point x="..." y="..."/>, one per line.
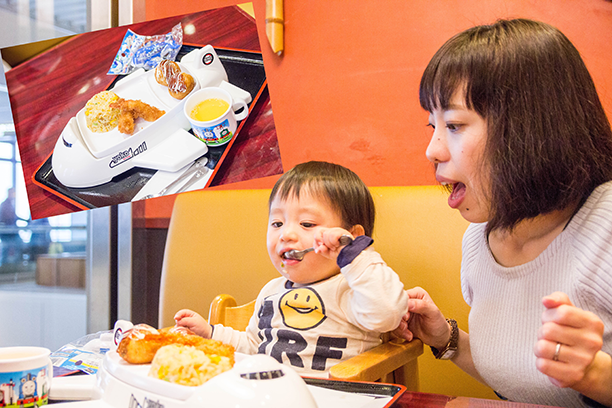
<point x="26" y="243"/>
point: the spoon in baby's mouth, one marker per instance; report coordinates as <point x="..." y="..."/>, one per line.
<point x="299" y="255"/>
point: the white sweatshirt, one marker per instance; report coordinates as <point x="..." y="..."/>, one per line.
<point x="506" y="302"/>
<point x="313" y="327"/>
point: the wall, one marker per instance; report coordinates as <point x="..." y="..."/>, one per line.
<point x="42" y="318"/>
<point x="346" y="88"/>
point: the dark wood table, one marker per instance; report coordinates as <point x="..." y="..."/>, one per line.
<point x="49" y="89"/>
<point x="424" y="400"/>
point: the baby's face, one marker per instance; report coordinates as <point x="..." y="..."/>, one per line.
<point x="292" y="225"/>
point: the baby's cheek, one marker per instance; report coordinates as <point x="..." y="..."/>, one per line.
<point x="284" y="273"/>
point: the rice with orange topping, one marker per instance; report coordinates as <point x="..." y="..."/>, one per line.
<point x="186" y="365"/>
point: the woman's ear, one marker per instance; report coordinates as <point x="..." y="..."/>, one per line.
<point x="357" y="230"/>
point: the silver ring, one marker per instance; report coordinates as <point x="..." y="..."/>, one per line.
<point x="557" y="350"/>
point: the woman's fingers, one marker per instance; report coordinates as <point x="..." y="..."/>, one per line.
<point x="568" y="340"/>
<point x="556" y="299"/>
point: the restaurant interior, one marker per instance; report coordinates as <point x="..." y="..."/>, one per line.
<point x="344" y="90"/>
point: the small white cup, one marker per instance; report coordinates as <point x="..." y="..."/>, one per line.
<point x="219" y="131"/>
<point x="25" y="376"/>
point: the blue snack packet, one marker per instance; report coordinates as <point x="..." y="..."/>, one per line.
<point x="139" y="51"/>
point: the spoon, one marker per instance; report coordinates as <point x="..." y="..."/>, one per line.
<point x="299" y="255"/>
<point x="195" y="167"/>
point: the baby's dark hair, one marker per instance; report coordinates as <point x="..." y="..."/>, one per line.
<point x="549" y="142"/>
<point x="340" y="187"/>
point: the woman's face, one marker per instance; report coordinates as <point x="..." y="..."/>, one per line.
<point x="456" y="149"/>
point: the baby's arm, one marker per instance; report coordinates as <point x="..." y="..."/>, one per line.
<point x="194" y="322"/>
<point x="248" y="341"/>
<point x="245" y="342"/>
<point x="377" y="300"/>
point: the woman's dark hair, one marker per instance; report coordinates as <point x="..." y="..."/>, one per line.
<point x="549" y="141"/>
<point x="340" y="187"/>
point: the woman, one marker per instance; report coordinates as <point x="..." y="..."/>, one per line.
<point x="523" y="144"/>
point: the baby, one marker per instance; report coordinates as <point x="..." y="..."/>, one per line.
<point x="333" y="304"/>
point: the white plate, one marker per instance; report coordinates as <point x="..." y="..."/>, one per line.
<point x="137" y="375"/>
<point x="139" y="85"/>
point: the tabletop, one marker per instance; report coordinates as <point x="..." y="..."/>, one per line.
<point x="49" y="89"/>
<point x="424" y="400"/>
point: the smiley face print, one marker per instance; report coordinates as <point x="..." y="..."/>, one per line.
<point x="302" y="309"/>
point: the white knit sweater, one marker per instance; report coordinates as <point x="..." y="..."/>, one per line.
<point x="506" y="302"/>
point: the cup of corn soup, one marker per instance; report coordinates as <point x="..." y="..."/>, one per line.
<point x="214" y="115"/>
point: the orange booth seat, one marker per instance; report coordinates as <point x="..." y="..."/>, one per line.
<point x="217" y="244"/>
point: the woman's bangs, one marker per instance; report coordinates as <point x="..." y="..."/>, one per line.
<point x="442" y="78"/>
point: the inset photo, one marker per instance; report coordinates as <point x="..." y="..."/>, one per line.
<point x="141" y="111"/>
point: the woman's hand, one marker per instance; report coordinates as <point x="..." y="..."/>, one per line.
<point x="569" y="344"/>
<point x="423" y="320"/>
<point x="194" y="322"/>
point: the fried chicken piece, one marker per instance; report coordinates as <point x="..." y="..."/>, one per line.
<point x="141" y="342"/>
<point x="140" y="109"/>
<point x="130" y="110"/>
<point x="126" y="122"/>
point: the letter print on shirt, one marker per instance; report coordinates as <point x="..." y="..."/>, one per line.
<point x="286" y="323"/>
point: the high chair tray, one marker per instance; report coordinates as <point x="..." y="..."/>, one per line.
<point x="386" y="393"/>
<point x="244" y="69"/>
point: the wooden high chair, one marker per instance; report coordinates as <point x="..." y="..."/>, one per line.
<point x="217" y="244"/>
<point x="393" y="361"/>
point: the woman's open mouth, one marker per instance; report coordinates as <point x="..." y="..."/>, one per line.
<point x="457" y="195"/>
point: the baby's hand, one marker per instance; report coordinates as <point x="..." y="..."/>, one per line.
<point x="327" y="242"/>
<point x="194" y="322"/>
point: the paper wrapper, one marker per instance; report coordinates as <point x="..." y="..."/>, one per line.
<point x="140" y="51"/>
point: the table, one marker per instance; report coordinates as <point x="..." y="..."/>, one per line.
<point x="46" y="91"/>
<point x="425" y="400"/>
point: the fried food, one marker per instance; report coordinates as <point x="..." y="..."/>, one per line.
<point x="164" y="70"/>
<point x="140" y="344"/>
<point x="126" y="122"/>
<point x="180" y="84"/>
<point x="139" y="109"/>
<point x="100" y="116"/>
<point x="130" y="110"/>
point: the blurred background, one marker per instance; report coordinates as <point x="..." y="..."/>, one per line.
<point x="42" y="262"/>
<point x="70" y="275"/>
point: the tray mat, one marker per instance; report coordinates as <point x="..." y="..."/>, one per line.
<point x="244" y="69"/>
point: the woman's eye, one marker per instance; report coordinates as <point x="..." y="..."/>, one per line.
<point x="453" y="127"/>
<point x="431" y="125"/>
